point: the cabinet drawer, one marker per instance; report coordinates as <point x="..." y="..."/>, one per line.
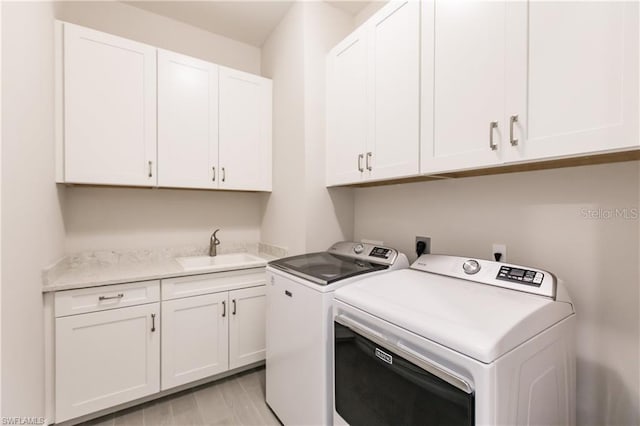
<point x="95" y="299"/>
<point x="175" y="288"/>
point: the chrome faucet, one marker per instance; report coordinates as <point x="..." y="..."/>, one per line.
<point x="213" y="243"/>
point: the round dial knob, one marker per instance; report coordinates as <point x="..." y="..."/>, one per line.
<point x="359" y="248"/>
<point x="471" y="267"/>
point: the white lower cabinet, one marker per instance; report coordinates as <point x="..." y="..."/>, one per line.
<point x="106" y="358"/>
<point x="194" y="338"/>
<point x="209" y="334"/>
<point x="110" y="348"/>
<point x="247" y="326"/>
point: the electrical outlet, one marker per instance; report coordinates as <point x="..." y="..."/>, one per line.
<point x="427" y="245"/>
<point x="499" y="248"/>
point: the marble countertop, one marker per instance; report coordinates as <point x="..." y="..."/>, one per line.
<point x="101" y="268"/>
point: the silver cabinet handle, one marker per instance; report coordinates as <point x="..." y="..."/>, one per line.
<point x="224" y="309"/>
<point x="493" y="125"/>
<point x="153" y="322"/>
<point x="512" y="121"/>
<point x="369" y="155"/>
<point x="360" y="157"/>
<point x="118" y="296"/>
<point x="224" y="174"/>
<point x="234" y="306"/>
<point x="150" y="168"/>
<point x="214" y="174"/>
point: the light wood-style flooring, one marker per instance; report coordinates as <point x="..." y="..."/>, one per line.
<point x="236" y="400"/>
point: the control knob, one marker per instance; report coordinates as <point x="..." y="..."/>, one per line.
<point x="358" y="249"/>
<point x="471" y="267"/>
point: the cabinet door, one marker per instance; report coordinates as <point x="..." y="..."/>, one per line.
<point x="194" y="338"/>
<point x="187" y="122"/>
<point x="346" y="132"/>
<point x="394" y="63"/>
<point x="469" y="86"/>
<point x="245" y="131"/>
<point x="573" y="77"/>
<point x="109" y="109"/>
<point x="106" y="358"/>
<point x="247" y="326"/>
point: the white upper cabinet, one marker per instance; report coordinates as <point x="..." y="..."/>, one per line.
<point x="346" y="132"/>
<point x="213" y="123"/>
<point x="187" y="122"/>
<point x="523" y="81"/>
<point x="572" y="76"/>
<point x="394" y="82"/>
<point x="468" y="60"/>
<point x="373" y="96"/>
<point x="109" y="109"/>
<point x="245" y="131"/>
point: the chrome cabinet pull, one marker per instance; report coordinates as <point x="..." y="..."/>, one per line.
<point x="224" y="309"/>
<point x="224" y="174"/>
<point x="118" y="296"/>
<point x="369" y="155"/>
<point x="214" y="174"/>
<point x="360" y="157"/>
<point x="493" y="125"/>
<point x="512" y="121"/>
<point x="150" y="168"/>
<point x="153" y="322"/>
<point x="234" y="306"/>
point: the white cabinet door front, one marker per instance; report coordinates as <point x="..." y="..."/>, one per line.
<point x="347" y="110"/>
<point x="247" y="326"/>
<point x="573" y="73"/>
<point x="194" y="338"/>
<point x="187" y="122"/>
<point x="394" y="60"/>
<point x="245" y="131"/>
<point x="109" y="109"/>
<point x="469" y="87"/>
<point x="106" y="358"/>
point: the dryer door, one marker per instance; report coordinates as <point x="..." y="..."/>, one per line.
<point x="376" y="386"/>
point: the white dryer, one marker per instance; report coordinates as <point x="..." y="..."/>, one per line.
<point x="300" y="325"/>
<point x="455" y="341"/>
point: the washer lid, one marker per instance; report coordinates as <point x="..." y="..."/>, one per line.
<point x="324" y="268"/>
<point x="478" y="320"/>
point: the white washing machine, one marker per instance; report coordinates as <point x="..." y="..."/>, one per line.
<point x="300" y="325"/>
<point x="455" y="341"/>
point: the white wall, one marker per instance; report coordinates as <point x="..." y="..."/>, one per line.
<point x="539" y="215"/>
<point x="329" y="212"/>
<point x="131" y="22"/>
<point x="284" y="220"/>
<point x="301" y="214"/>
<point x="132" y="218"/>
<point x="368" y="11"/>
<point x="32" y="229"/>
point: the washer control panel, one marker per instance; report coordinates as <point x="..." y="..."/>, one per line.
<point x="380" y="252"/>
<point x="521" y="276"/>
<point x="367" y="252"/>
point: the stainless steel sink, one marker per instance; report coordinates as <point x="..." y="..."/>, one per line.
<point x="220" y="262"/>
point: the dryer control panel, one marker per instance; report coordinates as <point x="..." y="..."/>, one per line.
<point x="521" y="276"/>
<point x="512" y="277"/>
